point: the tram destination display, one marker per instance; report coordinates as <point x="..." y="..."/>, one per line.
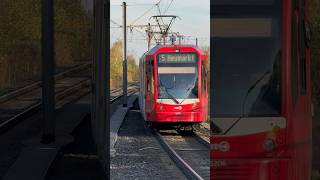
<point x="177" y="58"/>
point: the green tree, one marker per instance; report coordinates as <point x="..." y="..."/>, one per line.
<point x="73" y="37"/>
<point x="116" y="65"/>
<point x="20" y="41"/>
<point x="20" y="35"/>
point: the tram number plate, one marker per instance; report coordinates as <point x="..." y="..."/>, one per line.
<point x="219" y="163"/>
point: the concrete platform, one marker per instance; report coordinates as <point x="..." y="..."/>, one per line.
<point x="138" y="153"/>
<point x="116" y="121"/>
<point x="36" y="158"/>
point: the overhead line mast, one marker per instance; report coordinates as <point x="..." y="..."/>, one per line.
<point x="124" y="65"/>
<point x="164" y="27"/>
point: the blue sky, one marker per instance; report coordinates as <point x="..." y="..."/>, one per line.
<point x="194" y="14"/>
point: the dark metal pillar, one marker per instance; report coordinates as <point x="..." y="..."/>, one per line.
<point x="48" y="94"/>
<point x="100" y="86"/>
<point x="124" y="86"/>
<point x="106" y="133"/>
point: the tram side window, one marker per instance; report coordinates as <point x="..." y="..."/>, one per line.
<point x="299" y="81"/>
<point x="152" y="76"/>
<point x="203" y="76"/>
<point x="148" y="76"/>
<point x="302" y="48"/>
<point x="294" y="64"/>
<point x="148" y="85"/>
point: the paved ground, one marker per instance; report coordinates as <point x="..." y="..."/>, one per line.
<point x="138" y="154"/>
<point x="11" y="142"/>
<point x="78" y="159"/>
<point x="67" y="119"/>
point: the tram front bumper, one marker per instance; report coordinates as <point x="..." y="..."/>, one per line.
<point x="249" y="169"/>
<point x="191" y="117"/>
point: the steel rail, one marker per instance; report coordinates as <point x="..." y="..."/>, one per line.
<point x="184" y="166"/>
<point x="201" y="140"/>
<point x="130" y="92"/>
<point x="32" y="86"/>
<point x="34" y="108"/>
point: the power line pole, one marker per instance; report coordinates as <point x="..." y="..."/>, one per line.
<point x="149" y="34"/>
<point x="124" y="65"/>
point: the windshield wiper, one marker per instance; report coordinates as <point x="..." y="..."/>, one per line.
<point x="254" y="85"/>
<point x="190" y="88"/>
<point x="169" y="94"/>
<point x="215" y="128"/>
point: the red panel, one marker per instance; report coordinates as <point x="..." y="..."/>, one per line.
<point x="176" y="112"/>
<point x="244" y="157"/>
<point x="249" y="169"/>
<point x="249" y="146"/>
<point x="195" y="117"/>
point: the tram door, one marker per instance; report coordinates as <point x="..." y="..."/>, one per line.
<point x="204" y="89"/>
<point x="149" y="95"/>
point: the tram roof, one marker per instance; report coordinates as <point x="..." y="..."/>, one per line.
<point x="157" y="47"/>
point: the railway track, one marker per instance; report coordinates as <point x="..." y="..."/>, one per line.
<point x="22" y="103"/>
<point x="70" y="86"/>
<point x="115" y="94"/>
<point x="189" y="151"/>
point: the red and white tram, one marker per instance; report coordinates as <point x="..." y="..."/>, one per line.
<point x="173" y="85"/>
<point x="261" y="95"/>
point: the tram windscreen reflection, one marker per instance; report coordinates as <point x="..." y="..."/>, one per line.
<point x="177" y="77"/>
<point x="246" y="60"/>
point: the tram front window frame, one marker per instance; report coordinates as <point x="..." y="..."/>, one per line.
<point x="177" y="80"/>
<point x="246" y="39"/>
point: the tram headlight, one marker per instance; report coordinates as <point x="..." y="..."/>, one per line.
<point x="269" y="145"/>
<point x="276" y="130"/>
<point x="194" y="106"/>
<point x="279" y="136"/>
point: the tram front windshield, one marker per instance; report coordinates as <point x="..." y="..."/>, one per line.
<point x="177" y="76"/>
<point x="246" y="57"/>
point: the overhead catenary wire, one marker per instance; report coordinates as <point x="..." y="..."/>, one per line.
<point x="131" y="30"/>
<point x="131" y="25"/>
<point x="168" y="7"/>
<point x="159" y="10"/>
<point x="141" y="4"/>
<point x="146" y="12"/>
<point x="135" y="4"/>
<point x="114" y="22"/>
<point x="142" y="32"/>
<point x="137" y="40"/>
